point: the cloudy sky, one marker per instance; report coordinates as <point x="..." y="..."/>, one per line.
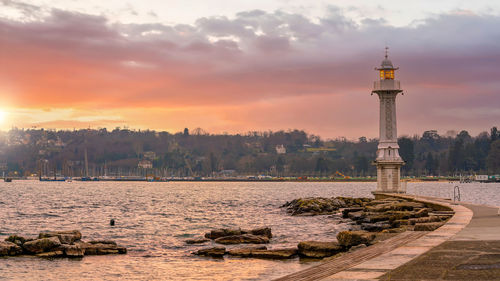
<point x="238" y="66"/>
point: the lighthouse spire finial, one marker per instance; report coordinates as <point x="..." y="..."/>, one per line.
<point x="386" y="52"/>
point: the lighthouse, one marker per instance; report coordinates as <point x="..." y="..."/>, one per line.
<point x="388" y="161"/>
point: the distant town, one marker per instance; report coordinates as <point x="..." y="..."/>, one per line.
<point x="123" y="154"/>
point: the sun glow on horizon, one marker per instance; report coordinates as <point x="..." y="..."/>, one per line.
<point x="3" y="116"/>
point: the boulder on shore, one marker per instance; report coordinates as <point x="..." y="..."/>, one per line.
<point x="9" y="249"/>
<point x="376" y="227"/>
<point x="313" y="206"/>
<point x="314" y="249"/>
<point x="242" y="239"/>
<point x="346" y="211"/>
<point x="41" y="245"/>
<point x="353" y="238"/>
<point x="216" y="252"/>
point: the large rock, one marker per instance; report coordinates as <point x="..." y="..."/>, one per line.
<point x="18" y="240"/>
<point x="265" y="231"/>
<point x="73" y="251"/>
<point x="395" y="206"/>
<point x="65" y="237"/>
<point x="313" y="206"/>
<point x="217" y="233"/>
<point x="314" y="249"/>
<point x="430" y="226"/>
<point x="41" y="245"/>
<point x="346" y="211"/>
<point x="354" y="202"/>
<point x="274" y="254"/>
<point x="262" y="252"/>
<point x="52" y="254"/>
<point x="216" y="252"/>
<point x="424" y="212"/>
<point x="246" y="251"/>
<point x="197" y="240"/>
<point x="356" y="216"/>
<point x="375" y="227"/>
<point x="243" y="238"/>
<point x="99" y="248"/>
<point x="353" y="238"/>
<point x="9" y="249"/>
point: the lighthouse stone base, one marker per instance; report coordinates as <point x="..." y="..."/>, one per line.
<point x="389" y="177"/>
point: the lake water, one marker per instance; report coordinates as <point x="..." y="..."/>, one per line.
<point x="154" y="219"/>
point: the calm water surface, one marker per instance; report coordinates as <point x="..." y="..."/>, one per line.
<point x="154" y="219"/>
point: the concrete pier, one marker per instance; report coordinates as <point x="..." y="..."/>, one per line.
<point x="467" y="247"/>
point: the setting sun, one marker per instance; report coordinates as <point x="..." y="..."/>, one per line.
<point x="3" y="116"/>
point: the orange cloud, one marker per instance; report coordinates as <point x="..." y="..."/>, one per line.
<point x="257" y="71"/>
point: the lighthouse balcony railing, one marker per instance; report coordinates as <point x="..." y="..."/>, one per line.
<point x="384" y="85"/>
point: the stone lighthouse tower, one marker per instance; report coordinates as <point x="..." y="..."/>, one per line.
<point x="388" y="161"/>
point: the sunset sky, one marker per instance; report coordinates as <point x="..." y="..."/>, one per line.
<point x="238" y="66"/>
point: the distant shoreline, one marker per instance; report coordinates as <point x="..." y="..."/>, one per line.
<point x="451" y="179"/>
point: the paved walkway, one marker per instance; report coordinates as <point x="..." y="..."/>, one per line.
<point x="387" y="261"/>
<point x="350" y="260"/>
<point x="471" y="254"/>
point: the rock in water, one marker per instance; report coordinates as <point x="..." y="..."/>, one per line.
<point x="65" y="237"/>
<point x="41" y="245"/>
<point x="244" y="238"/>
<point x="9" y="249"/>
<point x="216" y="252"/>
<point x="18" y="240"/>
<point x="314" y="249"/>
<point x="375" y="227"/>
<point x="51" y="254"/>
<point x="313" y="206"/>
<point x="265" y="231"/>
<point x="73" y="251"/>
<point x="262" y="252"/>
<point x="274" y="254"/>
<point x="197" y="240"/>
<point x="346" y="211"/>
<point x="100" y="248"/>
<point x="353" y="238"/>
<point x="217" y="233"/>
<point x="245" y="252"/>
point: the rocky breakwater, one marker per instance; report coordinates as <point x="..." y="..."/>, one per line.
<point x="370" y="221"/>
<point x="58" y="244"/>
<point x="238" y="236"/>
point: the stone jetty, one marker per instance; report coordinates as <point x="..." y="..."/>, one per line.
<point x="58" y="244"/>
<point x="370" y="221"/>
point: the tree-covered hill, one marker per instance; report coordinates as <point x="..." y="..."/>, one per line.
<point x="282" y="153"/>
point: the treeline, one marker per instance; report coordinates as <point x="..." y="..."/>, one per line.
<point x="197" y="153"/>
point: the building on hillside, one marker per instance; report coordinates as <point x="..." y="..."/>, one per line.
<point x="145" y="164"/>
<point x="280" y="149"/>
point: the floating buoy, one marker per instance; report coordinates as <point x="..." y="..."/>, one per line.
<point x="112" y="222"/>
